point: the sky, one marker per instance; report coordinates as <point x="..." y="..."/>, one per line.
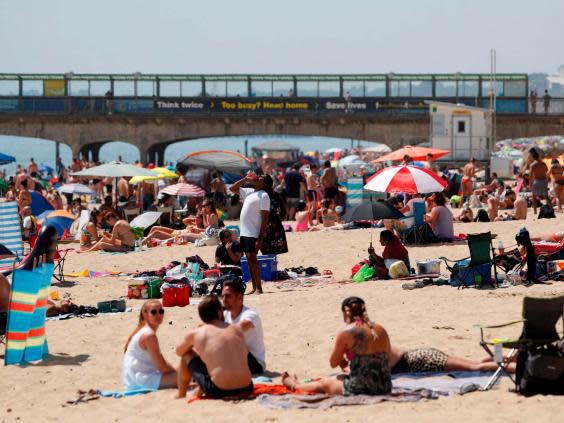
<point x="291" y="36"/>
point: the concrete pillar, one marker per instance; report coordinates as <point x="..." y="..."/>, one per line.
<point x="84" y="153"/>
<point x="160" y="155"/>
<point x="143" y="155"/>
<point x="95" y="149"/>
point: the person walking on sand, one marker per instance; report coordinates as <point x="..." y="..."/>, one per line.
<point x="253" y="221"/>
<point x="214" y="355"/>
<point x="468" y="174"/>
<point x="538" y="179"/>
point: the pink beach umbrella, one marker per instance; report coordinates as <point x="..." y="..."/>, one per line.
<point x="409" y="179"/>
<point x="184" y="190"/>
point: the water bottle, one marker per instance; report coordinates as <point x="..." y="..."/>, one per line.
<point x="137" y="246"/>
<point x="500" y="247"/>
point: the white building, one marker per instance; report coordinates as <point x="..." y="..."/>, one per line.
<point x="463" y="130"/>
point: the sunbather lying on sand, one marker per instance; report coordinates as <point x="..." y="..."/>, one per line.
<point x="366" y="347"/>
<point x="121" y="239"/>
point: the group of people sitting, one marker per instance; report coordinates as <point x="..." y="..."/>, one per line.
<point x="223" y="352"/>
<point x="220" y="355"/>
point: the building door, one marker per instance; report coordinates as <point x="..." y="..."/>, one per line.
<point x="461" y="137"/>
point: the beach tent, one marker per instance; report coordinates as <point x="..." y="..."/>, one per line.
<point x="60" y="219"/>
<point x="10" y="231"/>
<point x="39" y="204"/>
<point x="224" y="160"/>
<point x="5" y="159"/>
<point x="378" y="148"/>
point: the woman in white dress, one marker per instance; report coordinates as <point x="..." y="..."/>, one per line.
<point x="144" y="366"/>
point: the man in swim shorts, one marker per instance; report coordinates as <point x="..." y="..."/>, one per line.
<point x="215" y="355"/>
<point x="539" y="179"/>
<point x="468" y="174"/>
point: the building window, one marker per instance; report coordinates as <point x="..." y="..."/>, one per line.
<point x="461" y="127"/>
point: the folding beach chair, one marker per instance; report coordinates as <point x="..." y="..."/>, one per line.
<point x="475" y="270"/>
<point x="417" y="231"/>
<point x="59" y="258"/>
<point x="25" y="328"/>
<point x="539" y="334"/>
<point x="10" y="232"/>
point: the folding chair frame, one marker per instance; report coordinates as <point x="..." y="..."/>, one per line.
<point x="461" y="273"/>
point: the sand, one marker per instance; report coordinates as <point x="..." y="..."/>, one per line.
<point x="300" y="324"/>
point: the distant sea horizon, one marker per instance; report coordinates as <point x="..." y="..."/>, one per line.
<point x="43" y="151"/>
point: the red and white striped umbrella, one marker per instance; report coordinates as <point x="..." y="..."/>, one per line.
<point x="184" y="190"/>
<point x="409" y="179"/>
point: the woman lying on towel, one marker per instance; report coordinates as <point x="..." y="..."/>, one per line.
<point x="433" y="360"/>
<point x="144" y="366"/>
<point x="364" y="347"/>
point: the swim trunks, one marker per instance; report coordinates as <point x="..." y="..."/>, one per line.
<point x="540" y="187"/>
<point x="200" y="374"/>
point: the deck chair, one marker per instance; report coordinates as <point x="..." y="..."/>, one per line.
<point x="130" y="214"/>
<point x="25" y="328"/>
<point x="477" y="269"/>
<point x="540" y="319"/>
<point x="166" y="218"/>
<point x="10" y="232"/>
<point x="417" y="231"/>
<point x="59" y="258"/>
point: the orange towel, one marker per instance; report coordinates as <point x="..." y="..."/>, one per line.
<point x="260" y="389"/>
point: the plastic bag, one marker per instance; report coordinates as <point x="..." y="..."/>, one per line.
<point x="365" y="273"/>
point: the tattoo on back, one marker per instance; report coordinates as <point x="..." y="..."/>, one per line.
<point x="360" y="344"/>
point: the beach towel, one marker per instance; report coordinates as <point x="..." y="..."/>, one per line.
<point x="324" y="401"/>
<point x="10" y="231"/>
<point x="446" y="383"/>
<point x="25" y="332"/>
<point x="258" y="390"/>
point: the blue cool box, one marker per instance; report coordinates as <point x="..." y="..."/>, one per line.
<point x="470" y="277"/>
<point x="268" y="265"/>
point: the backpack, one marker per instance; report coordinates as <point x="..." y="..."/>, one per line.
<point x="546" y="212"/>
<point x="540" y="371"/>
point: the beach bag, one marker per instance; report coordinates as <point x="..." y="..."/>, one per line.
<point x="365" y="273"/>
<point x="175" y="295"/>
<point x="546" y="212"/>
<point x="540" y="372"/>
<point x="398" y="269"/>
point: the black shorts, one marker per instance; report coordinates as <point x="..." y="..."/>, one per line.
<point x="248" y="244"/>
<point x="109" y="188"/>
<point x="200" y="374"/>
<point x="254" y="366"/>
<point x="311" y="195"/>
<point x="331" y="192"/>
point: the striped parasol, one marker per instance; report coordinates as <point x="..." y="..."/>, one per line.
<point x="409" y="179"/>
<point x="184" y="190"/>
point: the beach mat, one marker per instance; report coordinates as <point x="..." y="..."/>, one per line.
<point x="325" y="401"/>
<point x="445" y="382"/>
<point x="25" y="332"/>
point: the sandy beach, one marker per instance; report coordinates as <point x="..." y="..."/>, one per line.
<point x="300" y="324"/>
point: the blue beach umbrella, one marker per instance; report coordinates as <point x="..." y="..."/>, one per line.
<point x="45" y="168"/>
<point x="39" y="203"/>
<point x="5" y="159"/>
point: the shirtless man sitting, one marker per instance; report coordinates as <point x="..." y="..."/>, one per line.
<point x="538" y="179"/>
<point x="122" y="238"/>
<point x="215" y="355"/>
<point x="519" y="208"/>
<point x="468" y="174"/>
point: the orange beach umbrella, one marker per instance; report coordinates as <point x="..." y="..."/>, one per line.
<point x="416" y="153"/>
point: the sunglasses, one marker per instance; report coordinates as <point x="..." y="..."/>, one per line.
<point x="154" y="312"/>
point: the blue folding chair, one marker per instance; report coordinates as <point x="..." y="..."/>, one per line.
<point x="417" y="231"/>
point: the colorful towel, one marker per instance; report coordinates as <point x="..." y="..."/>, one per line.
<point x="259" y="390"/>
<point x="122" y="394"/>
<point x="25" y="332"/>
<point x="10" y="231"/>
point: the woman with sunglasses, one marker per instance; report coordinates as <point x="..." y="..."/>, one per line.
<point x="363" y="346"/>
<point x="144" y="366"/>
